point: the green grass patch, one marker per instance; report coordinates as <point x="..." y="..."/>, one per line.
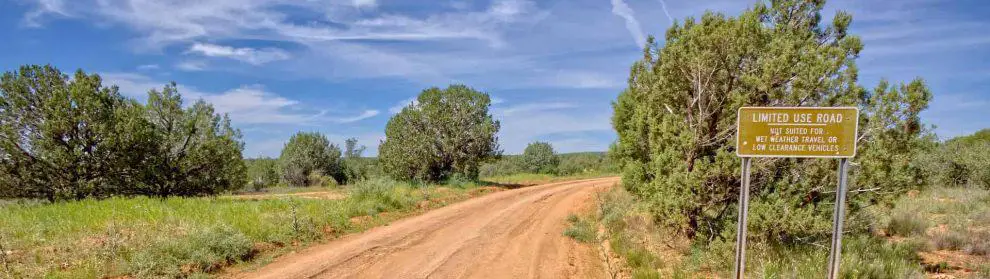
<point x="178" y="237"/>
<point x="864" y="255"/>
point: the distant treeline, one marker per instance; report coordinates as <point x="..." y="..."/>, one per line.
<point x="569" y="164"/>
<point x="65" y="138"/>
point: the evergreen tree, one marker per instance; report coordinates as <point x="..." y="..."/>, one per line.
<point x="447" y="132"/>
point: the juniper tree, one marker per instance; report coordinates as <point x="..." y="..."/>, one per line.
<point x="676" y="120"/>
<point x="539" y="157"/>
<point x="58" y="136"/>
<point x="447" y="132"/>
<point x="309" y="153"/>
<point x="75" y="138"/>
<point x="197" y="151"/>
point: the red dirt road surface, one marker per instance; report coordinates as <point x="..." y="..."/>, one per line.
<point x="510" y="234"/>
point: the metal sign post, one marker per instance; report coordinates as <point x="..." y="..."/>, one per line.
<point x="795" y="132"/>
<point x="741" y="231"/>
<point x="834" y="257"/>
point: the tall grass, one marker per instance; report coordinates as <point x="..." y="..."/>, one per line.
<point x="179" y="237"/>
<point x="652" y="252"/>
<point x="952" y="220"/>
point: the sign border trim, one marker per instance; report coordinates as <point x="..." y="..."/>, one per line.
<point x="855" y="133"/>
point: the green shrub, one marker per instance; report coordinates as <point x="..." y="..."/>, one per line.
<point x="580" y="229"/>
<point x="907" y="223"/>
<point x="571" y="164"/>
<point x="613" y="206"/>
<point x="949" y="240"/>
<point x="978" y="243"/>
<point x="505" y="165"/>
<point x="539" y="157"/>
<point x="385" y="194"/>
<point x="318" y="179"/>
<point x="586" y="162"/>
<point x="445" y="132"/>
<point x="203" y="250"/>
<point x="961" y="161"/>
<point x="645" y="273"/>
<point x="262" y="172"/>
<point x="308" y="153"/>
<point x="75" y="138"/>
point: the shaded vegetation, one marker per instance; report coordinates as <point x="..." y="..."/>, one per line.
<point x="63" y="138"/>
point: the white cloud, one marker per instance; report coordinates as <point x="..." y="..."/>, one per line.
<point x="148" y="67"/>
<point x="621" y="9"/>
<point x="496" y="100"/>
<point x="581" y="79"/>
<point x="248" y="55"/>
<point x="340" y="35"/>
<point x="251" y="104"/>
<point x="45" y="7"/>
<point x="525" y="123"/>
<point x="364" y="115"/>
<point x="402" y="104"/>
<point x="191" y="66"/>
<point x="663" y="5"/>
<point x="137" y="86"/>
<point x="263" y="19"/>
<point x="365" y="3"/>
<point x="246" y="105"/>
<point x="533" y="107"/>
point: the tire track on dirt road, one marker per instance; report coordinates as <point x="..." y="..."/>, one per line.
<point x="510" y="234"/>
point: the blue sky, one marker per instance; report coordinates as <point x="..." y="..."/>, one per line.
<point x="344" y="67"/>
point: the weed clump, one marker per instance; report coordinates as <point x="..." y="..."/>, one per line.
<point x="582" y="230"/>
<point x="385" y="194"/>
<point x="203" y="250"/>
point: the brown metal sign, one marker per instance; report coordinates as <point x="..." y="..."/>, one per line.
<point x="806" y="132"/>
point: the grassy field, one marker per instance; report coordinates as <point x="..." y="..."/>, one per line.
<point x="942" y="231"/>
<point x="192" y="237"/>
<point x="950" y="227"/>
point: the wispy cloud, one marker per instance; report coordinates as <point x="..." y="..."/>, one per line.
<point x="191" y="65"/>
<point x="246" y="105"/>
<point x="251" y="104"/>
<point x="621" y="9"/>
<point x="45" y="7"/>
<point x="533" y="107"/>
<point x="401" y="105"/>
<point x="350" y="119"/>
<point x="148" y="67"/>
<point x="528" y="122"/>
<point x="371" y="4"/>
<point x="244" y="54"/>
<point x="663" y="5"/>
<point x="442" y="44"/>
<point x="584" y="79"/>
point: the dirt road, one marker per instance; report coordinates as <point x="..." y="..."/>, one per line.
<point x="509" y="234"/>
